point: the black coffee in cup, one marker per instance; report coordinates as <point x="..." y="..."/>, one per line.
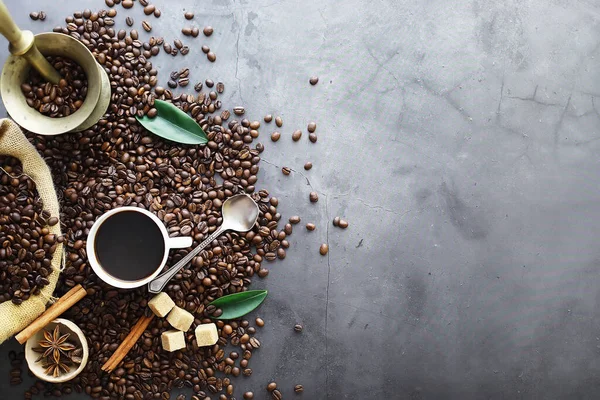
<point x="129" y="246"/>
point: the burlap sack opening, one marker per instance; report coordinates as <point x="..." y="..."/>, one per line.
<point x="13" y="318"/>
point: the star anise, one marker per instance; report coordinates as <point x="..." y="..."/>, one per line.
<point x="56" y="352"/>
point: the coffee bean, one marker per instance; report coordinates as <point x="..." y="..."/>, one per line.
<point x="271" y="386"/>
<point x="209" y="83"/>
<point x="336" y="221"/>
<point x="34" y="16"/>
<point x="42" y="16"/>
<point x="134" y="34"/>
<point x="296" y="135"/>
<point x="343" y="224"/>
<point x="298" y="388"/>
<point x="286" y="170"/>
<point x="260" y="322"/>
<point x="314" y="80"/>
<point x="129" y="21"/>
<point x="109" y="3"/>
<point x="198" y="87"/>
<point x="275" y="136"/>
<point x="324" y="249"/>
<point x="183" y="82"/>
<point x="294" y="219"/>
<point x="248" y="395"/>
<point x="127" y="3"/>
<point x="276" y="395"/>
<point x="311" y="127"/>
<point x="221" y="89"/>
<point x="211" y="56"/>
<point x="172" y="84"/>
<point x="188" y="15"/>
<point x="312" y="137"/>
<point x="307" y="165"/>
<point x="178" y="44"/>
<point x="313" y="197"/>
<point x="149" y="9"/>
<point x="167" y="47"/>
<point x="279" y="121"/>
<point x="310" y="226"/>
<point x="205" y="49"/>
<point x="187" y="31"/>
<point x="208" y="30"/>
<point x="239" y="110"/>
<point x="268" y="118"/>
<point x="157" y="13"/>
<point x="146" y="25"/>
<point x="143" y="3"/>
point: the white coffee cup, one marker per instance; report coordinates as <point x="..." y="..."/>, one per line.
<point x="170" y="243"/>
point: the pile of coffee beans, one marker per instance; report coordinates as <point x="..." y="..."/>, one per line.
<point x="58" y="100"/>
<point x="27" y="244"/>
<point x="118" y="163"/>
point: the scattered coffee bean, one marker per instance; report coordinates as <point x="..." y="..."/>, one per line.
<point x="146" y="25"/>
<point x="157" y="13"/>
<point x="221" y="89"/>
<point x="134" y="34"/>
<point x="276" y="395"/>
<point x="211" y="56"/>
<point x="34" y="16"/>
<point x="185" y="50"/>
<point x="183" y="82"/>
<point x="343" y="224"/>
<point x="129" y="21"/>
<point x="195" y="32"/>
<point x="172" y="84"/>
<point x="260" y="322"/>
<point x="279" y="121"/>
<point x="149" y="9"/>
<point x="275" y="136"/>
<point x="208" y="30"/>
<point x="271" y="386"/>
<point x="143" y="3"/>
<point x="205" y="49"/>
<point x="109" y="3"/>
<point x="239" y="110"/>
<point x="336" y="221"/>
<point x="296" y="135"/>
<point x="178" y="44"/>
<point x="187" y="31"/>
<point x="314" y="80"/>
<point x="294" y="219"/>
<point x="248" y="395"/>
<point x="312" y="137"/>
<point x="313" y="197"/>
<point x="307" y="165"/>
<point x="127" y="3"/>
<point x="268" y="118"/>
<point x="42" y="16"/>
<point x="286" y="170"/>
<point x="209" y="83"/>
<point x="310" y="226"/>
<point x="298" y="388"/>
<point x="312" y="127"/>
<point x="189" y="15"/>
<point x="167" y="48"/>
<point x="198" y="86"/>
<point x="324" y="249"/>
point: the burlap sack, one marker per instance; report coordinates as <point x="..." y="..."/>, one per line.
<point x="13" y="318"/>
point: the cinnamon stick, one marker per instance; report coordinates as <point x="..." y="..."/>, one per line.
<point x="133" y="336"/>
<point x="55" y="311"/>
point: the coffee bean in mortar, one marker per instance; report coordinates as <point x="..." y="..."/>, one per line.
<point x="279" y="122"/>
<point x="296" y="135"/>
<point x="275" y="136"/>
<point x="311" y="127"/>
<point x="307" y="165"/>
<point x="188" y="15"/>
<point x="58" y="100"/>
<point x="314" y="80"/>
<point x="286" y="170"/>
<point x="208" y="30"/>
<point x="310" y="226"/>
<point x="324" y="249"/>
<point x="313" y="197"/>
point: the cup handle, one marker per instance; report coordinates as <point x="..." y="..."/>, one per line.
<point x="179" y="242"/>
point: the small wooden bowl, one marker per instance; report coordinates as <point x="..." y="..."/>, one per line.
<point x="66" y="326"/>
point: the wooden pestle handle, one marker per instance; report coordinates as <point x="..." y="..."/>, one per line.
<point x="20" y="43"/>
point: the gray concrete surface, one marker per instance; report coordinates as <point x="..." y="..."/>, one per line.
<point x="461" y="142"/>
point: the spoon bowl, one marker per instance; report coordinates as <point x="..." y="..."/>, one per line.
<point x="240" y="213"/>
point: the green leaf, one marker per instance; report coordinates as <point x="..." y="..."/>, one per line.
<point x="173" y="124"/>
<point x="239" y="304"/>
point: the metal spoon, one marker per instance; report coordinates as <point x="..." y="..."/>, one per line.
<point x="240" y="213"/>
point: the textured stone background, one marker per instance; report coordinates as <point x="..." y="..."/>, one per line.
<point x="461" y="142"/>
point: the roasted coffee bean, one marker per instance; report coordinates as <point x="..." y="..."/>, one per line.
<point x="157" y="13"/>
<point x="307" y="165"/>
<point x="211" y="56"/>
<point x="286" y="170"/>
<point x="279" y="121"/>
<point x="239" y="110"/>
<point x="187" y="31"/>
<point x="147" y="26"/>
<point x="221" y="89"/>
<point x="296" y="135"/>
<point x="42" y="16"/>
<point x="34" y="16"/>
<point x="336" y="221"/>
<point x="198" y="87"/>
<point x="313" y="197"/>
<point x="294" y="219"/>
<point x="127" y="3"/>
<point x="134" y="34"/>
<point x="129" y="21"/>
<point x="324" y="249"/>
<point x="205" y="49"/>
<point x="312" y="137"/>
<point x="311" y="127"/>
<point x="178" y="44"/>
<point x="314" y="80"/>
<point x="268" y="118"/>
<point x="195" y="32"/>
<point x="188" y="15"/>
<point x="259" y="322"/>
<point x="183" y="82"/>
<point x="172" y="84"/>
<point x="298" y="328"/>
<point x="109" y="3"/>
<point x="310" y="226"/>
<point x="209" y="84"/>
<point x="276" y="395"/>
<point x="343" y="224"/>
<point x="298" y="388"/>
<point x="275" y="136"/>
<point x="149" y="9"/>
<point x="208" y="30"/>
<point x="248" y="395"/>
<point x="167" y="47"/>
<point x="271" y="386"/>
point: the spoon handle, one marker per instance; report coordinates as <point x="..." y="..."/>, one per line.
<point x="158" y="283"/>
